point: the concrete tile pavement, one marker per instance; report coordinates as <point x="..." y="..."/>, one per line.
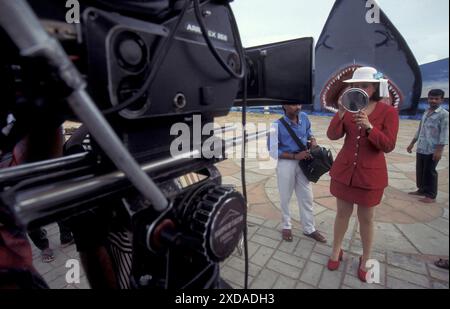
<point x="409" y="235"/>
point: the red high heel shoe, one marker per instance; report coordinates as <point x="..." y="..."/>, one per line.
<point x="334" y="265"/>
<point x="362" y="274"/>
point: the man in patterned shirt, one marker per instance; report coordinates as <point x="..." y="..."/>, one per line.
<point x="431" y="138"/>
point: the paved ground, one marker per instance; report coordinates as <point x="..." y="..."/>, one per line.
<point x="409" y="235"/>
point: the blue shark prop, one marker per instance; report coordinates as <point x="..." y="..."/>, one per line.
<point x="357" y="33"/>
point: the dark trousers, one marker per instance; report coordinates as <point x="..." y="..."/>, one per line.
<point x="40" y="240"/>
<point x="426" y="175"/>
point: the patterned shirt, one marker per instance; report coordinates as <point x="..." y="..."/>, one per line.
<point x="433" y="131"/>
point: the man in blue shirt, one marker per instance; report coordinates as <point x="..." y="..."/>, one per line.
<point x="431" y="139"/>
<point x="283" y="148"/>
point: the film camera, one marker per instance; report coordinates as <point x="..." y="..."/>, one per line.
<point x="146" y="65"/>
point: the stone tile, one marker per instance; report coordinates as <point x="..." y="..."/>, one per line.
<point x="284" y="283"/>
<point x="304" y="248"/>
<point x="318" y="209"/>
<point x="289" y="259"/>
<point x="408" y="276"/>
<point x="304" y="286"/>
<point x="394" y="283"/>
<point x="233" y="275"/>
<point x="289" y="247"/>
<point x="228" y="180"/>
<point x="55" y="273"/>
<point x="72" y="253"/>
<point x="251" y="230"/>
<point x="68" y="250"/>
<point x="257" y="195"/>
<point x="255" y="220"/>
<point x="388" y="238"/>
<point x="440" y="224"/>
<point x="283" y="268"/>
<point x="265" y="280"/>
<point x="406" y="262"/>
<point x="439" y="274"/>
<point x="270" y="233"/>
<point x="330" y="279"/>
<point x="355" y="283"/>
<point x="251" y="177"/>
<point x="396" y="175"/>
<point x="261" y="256"/>
<point x="406" y="167"/>
<point x="265" y="241"/>
<point x="427" y="240"/>
<point x="439" y="285"/>
<point x="60" y="259"/>
<point x="239" y="264"/>
<point x="252" y="248"/>
<point x="323" y="249"/>
<point x="271" y="224"/>
<point x="58" y="283"/>
<point x="319" y="258"/>
<point x="42" y="268"/>
<point x="311" y="273"/>
<point x="445" y="213"/>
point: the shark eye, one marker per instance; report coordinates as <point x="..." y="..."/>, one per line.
<point x="324" y="43"/>
<point x="387" y="38"/>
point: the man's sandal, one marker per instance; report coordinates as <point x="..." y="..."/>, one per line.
<point x="287" y="235"/>
<point x="441" y="263"/>
<point x="47" y="255"/>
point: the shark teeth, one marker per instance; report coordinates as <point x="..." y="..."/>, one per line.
<point x="393" y="90"/>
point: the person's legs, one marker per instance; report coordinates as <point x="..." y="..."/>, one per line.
<point x="39" y="238"/>
<point x="420" y="172"/>
<point x="344" y="212"/>
<point x="430" y="177"/>
<point x="304" y="193"/>
<point x="286" y="182"/>
<point x="365" y="217"/>
<point x="65" y="235"/>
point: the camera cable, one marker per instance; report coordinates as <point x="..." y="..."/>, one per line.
<point x="213" y="49"/>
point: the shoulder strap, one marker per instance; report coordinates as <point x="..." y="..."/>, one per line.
<point x="293" y="135"/>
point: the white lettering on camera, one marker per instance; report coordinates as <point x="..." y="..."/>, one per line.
<point x="212" y="34"/>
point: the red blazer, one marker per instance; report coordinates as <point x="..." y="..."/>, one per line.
<point x="361" y="162"/>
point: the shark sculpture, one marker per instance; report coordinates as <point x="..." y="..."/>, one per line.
<point x="357" y="33"/>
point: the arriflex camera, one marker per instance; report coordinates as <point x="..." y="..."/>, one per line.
<point x="129" y="71"/>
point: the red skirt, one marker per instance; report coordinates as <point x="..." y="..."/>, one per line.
<point x="359" y="196"/>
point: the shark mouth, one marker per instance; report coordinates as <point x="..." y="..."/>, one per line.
<point x="335" y="87"/>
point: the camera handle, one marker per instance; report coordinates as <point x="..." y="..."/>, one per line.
<point x="24" y="28"/>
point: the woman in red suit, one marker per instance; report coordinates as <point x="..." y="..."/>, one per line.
<point x="359" y="174"/>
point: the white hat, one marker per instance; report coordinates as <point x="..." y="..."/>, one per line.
<point x="370" y="75"/>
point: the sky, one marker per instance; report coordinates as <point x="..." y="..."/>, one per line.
<point x="423" y="23"/>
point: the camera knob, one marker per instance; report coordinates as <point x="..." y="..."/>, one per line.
<point x="218" y="220"/>
<point x="131" y="51"/>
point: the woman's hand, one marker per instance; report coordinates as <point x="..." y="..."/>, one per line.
<point x="304" y="155"/>
<point x="362" y="120"/>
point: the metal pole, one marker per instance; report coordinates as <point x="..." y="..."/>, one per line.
<point x="36" y="203"/>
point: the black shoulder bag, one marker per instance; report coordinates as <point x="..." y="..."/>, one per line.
<point x="319" y="164"/>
